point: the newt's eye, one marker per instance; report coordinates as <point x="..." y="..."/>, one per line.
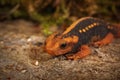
<point x="63" y="45"/>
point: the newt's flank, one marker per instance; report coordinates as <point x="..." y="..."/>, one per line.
<point x="77" y="38"/>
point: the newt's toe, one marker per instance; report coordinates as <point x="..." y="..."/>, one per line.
<point x="73" y="57"/>
<point x="98" y="44"/>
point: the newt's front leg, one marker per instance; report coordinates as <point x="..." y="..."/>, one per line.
<point x="84" y="51"/>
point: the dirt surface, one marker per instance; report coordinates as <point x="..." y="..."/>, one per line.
<point x="22" y="57"/>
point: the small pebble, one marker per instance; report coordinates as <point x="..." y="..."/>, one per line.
<point x="29" y="39"/>
<point x="36" y="63"/>
<point x="23" y="71"/>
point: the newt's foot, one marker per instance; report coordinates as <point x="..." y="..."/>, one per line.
<point x="73" y="57"/>
<point x="99" y="44"/>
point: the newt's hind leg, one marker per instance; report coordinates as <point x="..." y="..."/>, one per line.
<point x="108" y="38"/>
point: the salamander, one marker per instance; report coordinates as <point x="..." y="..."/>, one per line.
<point x="79" y="36"/>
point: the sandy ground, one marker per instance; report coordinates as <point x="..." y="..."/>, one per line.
<point x="22" y="57"/>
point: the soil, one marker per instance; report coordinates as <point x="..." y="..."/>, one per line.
<point x="22" y="57"/>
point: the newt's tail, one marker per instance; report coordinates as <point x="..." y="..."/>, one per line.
<point x="117" y="30"/>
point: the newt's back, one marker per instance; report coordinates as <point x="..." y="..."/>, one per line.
<point x="88" y="30"/>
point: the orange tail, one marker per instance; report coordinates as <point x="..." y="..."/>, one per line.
<point x="117" y="30"/>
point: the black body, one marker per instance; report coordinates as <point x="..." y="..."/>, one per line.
<point x="100" y="30"/>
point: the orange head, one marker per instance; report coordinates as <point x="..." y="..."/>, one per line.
<point x="57" y="45"/>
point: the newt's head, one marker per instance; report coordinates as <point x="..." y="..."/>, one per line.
<point x="56" y="44"/>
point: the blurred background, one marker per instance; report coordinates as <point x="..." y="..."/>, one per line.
<point x="48" y="13"/>
<point x="25" y="25"/>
